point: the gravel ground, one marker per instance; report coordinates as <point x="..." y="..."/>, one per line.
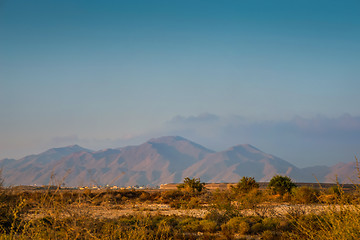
<point x="115" y="211"/>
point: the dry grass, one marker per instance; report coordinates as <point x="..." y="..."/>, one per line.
<point x="128" y="214"/>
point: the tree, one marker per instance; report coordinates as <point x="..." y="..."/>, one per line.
<point x="281" y="184"/>
<point x="245" y="185"/>
<point x="192" y="185"/>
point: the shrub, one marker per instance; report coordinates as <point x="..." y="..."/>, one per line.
<point x="145" y="196"/>
<point x="251" y="199"/>
<point x="208" y="226"/>
<point x="227" y="231"/>
<point x="341" y="220"/>
<point x="190" y="225"/>
<point x="343" y="224"/>
<point x="170" y="196"/>
<point x="305" y="195"/>
<point x="257" y="227"/>
<point x="222" y="200"/>
<point x="193" y="203"/>
<point x="268" y="235"/>
<point x="192" y="185"/>
<point x="271" y="223"/>
<point x="281" y="184"/>
<point x="245" y="185"/>
<point x="336" y="190"/>
<point x="217" y="216"/>
<point x="238" y="225"/>
<point x="165" y="229"/>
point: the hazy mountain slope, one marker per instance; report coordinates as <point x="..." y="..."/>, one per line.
<point x="344" y="172"/>
<point x="157" y="161"/>
<point x="238" y="161"/>
<point x="311" y="174"/>
<point x="30" y="168"/>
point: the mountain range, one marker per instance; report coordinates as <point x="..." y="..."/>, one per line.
<point x="161" y="160"/>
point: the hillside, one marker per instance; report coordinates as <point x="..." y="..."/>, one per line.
<point x="157" y="161"/>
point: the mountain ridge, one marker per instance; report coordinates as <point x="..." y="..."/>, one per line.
<point x="159" y="160"/>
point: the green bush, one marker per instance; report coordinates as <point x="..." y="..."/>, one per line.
<point x="190" y="224"/>
<point x="257" y="228"/>
<point x="238" y="225"/>
<point x="222" y="200"/>
<point x="245" y="185"/>
<point x="281" y="184"/>
<point x="208" y="226"/>
<point x="192" y="185"/>
<point x="193" y="203"/>
<point x="271" y="223"/>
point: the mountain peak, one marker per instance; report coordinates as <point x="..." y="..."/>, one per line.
<point x="168" y="139"/>
<point x="159" y="160"/>
<point x="242" y="147"/>
<point x="178" y="141"/>
<point x="70" y="148"/>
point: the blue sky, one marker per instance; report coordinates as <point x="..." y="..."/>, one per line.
<point x="281" y="75"/>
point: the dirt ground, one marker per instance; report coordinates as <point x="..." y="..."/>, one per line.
<point x="115" y="211"/>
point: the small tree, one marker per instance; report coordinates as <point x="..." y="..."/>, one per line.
<point x="281" y="184"/>
<point x="192" y="185"/>
<point x="245" y="185"/>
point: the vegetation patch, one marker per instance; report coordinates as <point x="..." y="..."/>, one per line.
<point x="282" y="211"/>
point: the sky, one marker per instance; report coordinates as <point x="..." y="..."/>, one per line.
<point x="280" y="75"/>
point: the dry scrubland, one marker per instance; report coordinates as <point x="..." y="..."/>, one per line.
<point x="282" y="211"/>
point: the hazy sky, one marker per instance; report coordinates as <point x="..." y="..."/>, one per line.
<point x="280" y="75"/>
